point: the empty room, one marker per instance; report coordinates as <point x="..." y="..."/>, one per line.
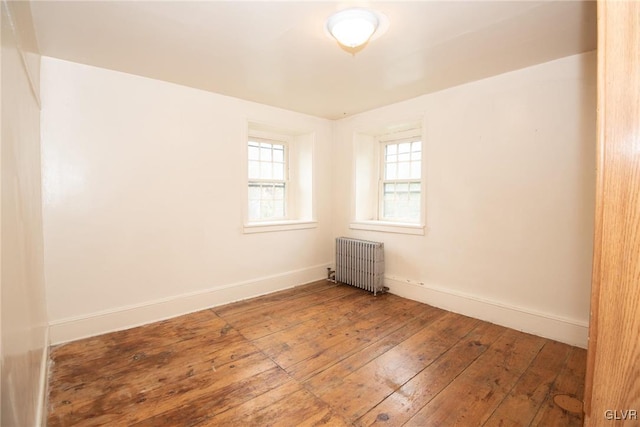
<point x="238" y="213"/>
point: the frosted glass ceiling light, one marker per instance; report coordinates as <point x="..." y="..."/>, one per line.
<point x="352" y="27"/>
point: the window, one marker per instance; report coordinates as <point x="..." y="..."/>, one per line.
<point x="400" y="183"/>
<point x="279" y="179"/>
<point x="388" y="179"/>
<point x="267" y="180"/>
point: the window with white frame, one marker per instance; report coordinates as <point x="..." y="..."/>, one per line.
<point x="267" y="173"/>
<point x="401" y="180"/>
<point x="388" y="179"/>
<point x="279" y="179"/>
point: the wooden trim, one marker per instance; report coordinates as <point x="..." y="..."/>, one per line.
<point x="613" y="375"/>
<point x="597" y="233"/>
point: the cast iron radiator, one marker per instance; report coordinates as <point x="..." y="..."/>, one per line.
<point x="360" y="263"/>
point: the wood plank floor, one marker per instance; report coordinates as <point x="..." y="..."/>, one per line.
<point x="318" y="354"/>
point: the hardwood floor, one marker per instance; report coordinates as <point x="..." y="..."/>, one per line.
<point x="318" y="354"/>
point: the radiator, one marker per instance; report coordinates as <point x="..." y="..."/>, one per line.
<point x="360" y="263"/>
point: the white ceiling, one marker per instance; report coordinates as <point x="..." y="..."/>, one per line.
<point x="278" y="53"/>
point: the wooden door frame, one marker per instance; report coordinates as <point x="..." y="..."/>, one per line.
<point x="612" y="380"/>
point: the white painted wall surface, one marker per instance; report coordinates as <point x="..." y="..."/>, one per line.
<point x="143" y="195"/>
<point x="143" y="198"/>
<point x="24" y="343"/>
<point x="510" y="196"/>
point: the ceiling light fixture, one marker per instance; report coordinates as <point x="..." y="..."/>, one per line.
<point x="353" y="28"/>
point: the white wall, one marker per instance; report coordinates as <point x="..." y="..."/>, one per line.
<point x="510" y="197"/>
<point x="143" y="195"/>
<point x="23" y="348"/>
<point x="143" y="198"/>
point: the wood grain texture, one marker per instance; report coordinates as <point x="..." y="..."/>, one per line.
<point x="323" y="354"/>
<point x="569" y="382"/>
<point x="613" y="376"/>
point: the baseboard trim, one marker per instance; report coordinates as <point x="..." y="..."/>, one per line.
<point x="569" y="331"/>
<point x="43" y="384"/>
<point x="71" y="329"/>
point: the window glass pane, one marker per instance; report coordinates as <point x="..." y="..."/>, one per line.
<point x="254" y="192"/>
<point x="254" y="209"/>
<point x="267" y="192"/>
<point x="391" y="171"/>
<point x="278" y="209"/>
<point x="404" y="147"/>
<point x="279" y="192"/>
<point x="278" y="153"/>
<point x="266" y="201"/>
<point x="389" y="210"/>
<point x="266" y="170"/>
<point x="266" y="209"/>
<point x="401" y="201"/>
<point x="254" y="152"/>
<point x="415" y="170"/>
<point x="254" y="169"/>
<point x="267" y="163"/>
<point x="403" y="170"/>
<point x="413" y="211"/>
<point x="278" y="171"/>
<point x="389" y="193"/>
<point x="265" y="154"/>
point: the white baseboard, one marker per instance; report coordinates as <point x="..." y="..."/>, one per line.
<point x="43" y="384"/>
<point x="121" y="318"/>
<point x="569" y="331"/>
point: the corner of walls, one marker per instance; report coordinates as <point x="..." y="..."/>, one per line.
<point x="336" y="179"/>
<point x="509" y="230"/>
<point x="334" y="185"/>
<point x="159" y="232"/>
<point x="21" y="23"/>
<point x="25" y="344"/>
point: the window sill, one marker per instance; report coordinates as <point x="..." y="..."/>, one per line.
<point x="266" y="227"/>
<point x="389" y="227"/>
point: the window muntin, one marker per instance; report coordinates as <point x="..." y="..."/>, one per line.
<point x="401" y="181"/>
<point x="267" y="172"/>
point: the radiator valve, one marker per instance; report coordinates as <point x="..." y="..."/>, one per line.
<point x="331" y="275"/>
